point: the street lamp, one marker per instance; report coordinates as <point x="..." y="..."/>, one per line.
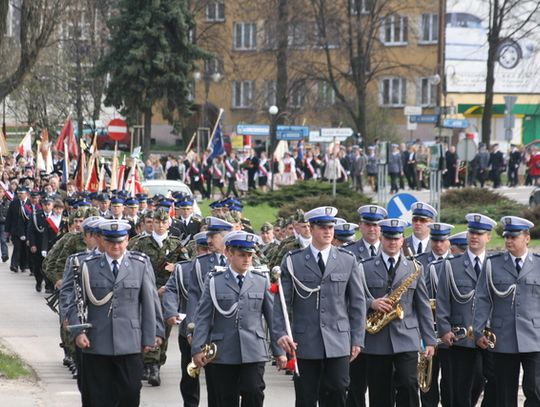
<point x="208" y="77"/>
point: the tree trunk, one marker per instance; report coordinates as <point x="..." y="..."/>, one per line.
<point x="147" y="132"/>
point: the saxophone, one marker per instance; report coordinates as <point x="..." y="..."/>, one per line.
<point x="80" y="298"/>
<point x="210" y="351"/>
<point x="378" y="319"/>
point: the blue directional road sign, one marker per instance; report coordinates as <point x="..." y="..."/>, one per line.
<point x="400" y="207"/>
<point x="424" y="118"/>
<point x="292" y="132"/>
<point x="456" y="123"/>
<point x="253" y="129"/>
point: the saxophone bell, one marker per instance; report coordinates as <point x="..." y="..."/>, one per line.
<point x="209" y="351"/>
<point x="491" y="337"/>
<point x="423" y="372"/>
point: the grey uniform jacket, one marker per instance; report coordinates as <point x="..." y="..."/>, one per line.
<point x="454" y="308"/>
<point x="128" y="321"/>
<point x="67" y="291"/>
<point x="395" y="165"/>
<point x="326" y="323"/>
<point x="515" y="319"/>
<point x="359" y="249"/>
<point x="409" y="243"/>
<point x="431" y="276"/>
<point x="201" y="266"/>
<point x="399" y="335"/>
<point x="175" y="295"/>
<point x="240" y="337"/>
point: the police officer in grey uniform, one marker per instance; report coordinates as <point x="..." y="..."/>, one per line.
<point x="230" y="314"/>
<point x="422" y="215"/>
<point x="455" y="304"/>
<point x="395" y="167"/>
<point x="508" y="302"/>
<point x="344" y="233"/>
<point x="369" y="245"/>
<point x="392" y="352"/>
<point x="325" y="296"/>
<point x="120" y="300"/>
<point x="432" y="261"/>
<point x="458" y="243"/>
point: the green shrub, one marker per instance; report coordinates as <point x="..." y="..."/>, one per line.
<point x="346" y="206"/>
<point x="303" y="189"/>
<point x="534" y="216"/>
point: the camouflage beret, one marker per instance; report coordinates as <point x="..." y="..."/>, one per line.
<point x="299" y="216"/>
<point x="161" y="214"/>
<point x="78" y="214"/>
<point x="149" y="215"/>
<point x="279" y="222"/>
<point x="266" y="227"/>
<point x="90" y="211"/>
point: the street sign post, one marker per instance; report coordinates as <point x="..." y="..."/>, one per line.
<point x="339" y="133"/>
<point x="292" y="132"/>
<point x="456" y="123"/>
<point x="412" y="110"/>
<point x="424" y="118"/>
<point x="253" y="129"/>
<point x="117" y="129"/>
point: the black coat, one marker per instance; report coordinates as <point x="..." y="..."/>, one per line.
<point x="16" y="220"/>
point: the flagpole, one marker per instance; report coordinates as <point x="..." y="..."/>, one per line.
<point x="215" y="128"/>
<point x="114" y="172"/>
<point x="66" y="159"/>
<point x="191" y="142"/>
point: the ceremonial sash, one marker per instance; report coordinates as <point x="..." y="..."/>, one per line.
<point x="263" y="170"/>
<point x="310" y="168"/>
<point x="229" y="168"/>
<point x="54" y="223"/>
<point x="216" y="171"/>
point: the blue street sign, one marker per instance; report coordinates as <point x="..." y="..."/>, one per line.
<point x="424" y="118"/>
<point x="456" y="123"/>
<point x="292" y="132"/>
<point x="253" y="129"/>
<point x="400" y="207"/>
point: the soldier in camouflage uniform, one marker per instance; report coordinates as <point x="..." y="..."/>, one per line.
<point x="163" y="250"/>
<point x="300" y="240"/>
<point x="148" y="227"/>
<point x="267" y="236"/>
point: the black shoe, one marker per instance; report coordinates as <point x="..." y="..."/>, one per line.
<point x="38" y="287"/>
<point x="49" y="291"/>
<point x="146" y="372"/>
<point x="5" y="258"/>
<point x="68" y="361"/>
<point x="153" y="377"/>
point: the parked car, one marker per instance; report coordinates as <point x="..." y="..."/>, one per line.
<point x="534" y="198"/>
<point x="466" y="40"/>
<point x="166" y="188"/>
<point x="104" y="141"/>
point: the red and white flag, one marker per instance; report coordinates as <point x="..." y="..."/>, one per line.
<point x="26" y="143"/>
<point x="68" y="135"/>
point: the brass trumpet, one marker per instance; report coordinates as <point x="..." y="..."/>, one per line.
<point x="209" y="351"/>
<point x="491" y="337"/>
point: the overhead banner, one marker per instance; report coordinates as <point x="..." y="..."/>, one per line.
<point x="466" y="49"/>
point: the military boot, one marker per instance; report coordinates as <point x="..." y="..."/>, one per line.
<point x="146" y="371"/>
<point x="153" y="376"/>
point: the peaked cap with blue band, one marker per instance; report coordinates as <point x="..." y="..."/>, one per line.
<point x="241" y="240"/>
<point x="440" y="231"/>
<point x="478" y="223"/>
<point x="392" y="227"/>
<point x="513" y="225"/>
<point x="459" y="239"/>
<point x="114" y="230"/>
<point x="217" y="225"/>
<point x="423" y="210"/>
<point x="201" y="238"/>
<point x="372" y="213"/>
<point x="323" y="215"/>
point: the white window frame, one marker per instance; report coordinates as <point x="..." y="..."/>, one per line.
<point x="248" y="36"/>
<point x="397" y="26"/>
<point x="298" y="95"/>
<point x="215" y="12"/>
<point x="326" y="95"/>
<point x="244" y="100"/>
<point x="432" y="30"/>
<point x="270" y="93"/>
<point x="363" y="7"/>
<point x="427" y="92"/>
<point x="332" y="33"/>
<point x="397" y="86"/>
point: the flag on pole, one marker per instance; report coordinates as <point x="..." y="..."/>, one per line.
<point x="65" y="170"/>
<point x="26" y="143"/>
<point x="114" y="170"/>
<point x="218" y="146"/>
<point x="80" y="179"/>
<point x="67" y="134"/>
<point x="4" y="150"/>
<point x="92" y="183"/>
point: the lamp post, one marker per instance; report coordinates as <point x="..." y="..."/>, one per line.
<point x="273" y="111"/>
<point x="208" y="77"/>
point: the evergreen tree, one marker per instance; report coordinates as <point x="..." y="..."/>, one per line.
<point x="150" y="60"/>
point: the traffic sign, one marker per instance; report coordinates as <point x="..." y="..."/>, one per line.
<point x="466" y="149"/>
<point x="424" y="118"/>
<point x="456" y="123"/>
<point x="411" y="125"/>
<point x="412" y="110"/>
<point x="117" y="129"/>
<point x="292" y="132"/>
<point x="400" y="207"/>
<point x="253" y="129"/>
<point x="340" y="133"/>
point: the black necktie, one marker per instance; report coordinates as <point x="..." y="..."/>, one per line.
<point x="391" y="270"/>
<point x="419" y="251"/>
<point x="222" y="262"/>
<point x="240" y="279"/>
<point x="372" y="249"/>
<point x="440" y="258"/>
<point x="320" y="262"/>
<point x="518" y="266"/>
<point x="477" y="265"/>
<point x="115" y="268"/>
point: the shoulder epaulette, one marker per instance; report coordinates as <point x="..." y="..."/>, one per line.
<point x="143" y="258"/>
<point x="347" y="244"/>
<point x="493" y="255"/>
<point x="367" y="259"/>
<point x="218" y="270"/>
<point x="260" y="270"/>
<point x="182" y="262"/>
<point x="202" y="256"/>
<point x="342" y="250"/>
<point x="291" y="252"/>
<point x="536" y="254"/>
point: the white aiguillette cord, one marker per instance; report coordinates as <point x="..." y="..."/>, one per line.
<point x="89" y="293"/>
<point x="297" y="283"/>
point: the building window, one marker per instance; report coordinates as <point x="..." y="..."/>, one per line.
<point x="270" y="93"/>
<point x="393" y="92"/>
<point x="298" y="94"/>
<point x="329" y="38"/>
<point x="326" y="95"/>
<point x="429" y="29"/>
<point x="242" y="94"/>
<point x="215" y="11"/>
<point x="299" y="34"/>
<point x="270" y="32"/>
<point x="428" y="92"/>
<point x="214" y="65"/>
<point x="245" y="36"/>
<point x="394" y="30"/>
<point x="361" y="6"/>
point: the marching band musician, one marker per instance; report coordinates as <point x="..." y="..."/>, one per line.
<point x="392" y="352"/>
<point x="230" y="312"/>
<point x="432" y="261"/>
<point x="323" y="290"/>
<point x="507" y="302"/>
<point x="458" y="243"/>
<point x="369" y="245"/>
<point x="464" y="365"/>
<point x="422" y="215"/>
<point x="121" y="308"/>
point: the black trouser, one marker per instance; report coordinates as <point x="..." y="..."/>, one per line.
<point x="496" y="177"/>
<point x="392" y="380"/>
<point x="231" y="187"/>
<point x="112" y="381"/>
<point x="358" y="376"/>
<point x="507" y="366"/>
<point x="211" y="392"/>
<point x="19" y="257"/>
<point x="463" y="366"/>
<point x="487" y="381"/>
<point x="325" y="378"/>
<point x="431" y="397"/>
<point x="446" y="377"/>
<point x="393" y="181"/>
<point x="189" y="387"/>
<point x="36" y="263"/>
<point x="245" y="380"/>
